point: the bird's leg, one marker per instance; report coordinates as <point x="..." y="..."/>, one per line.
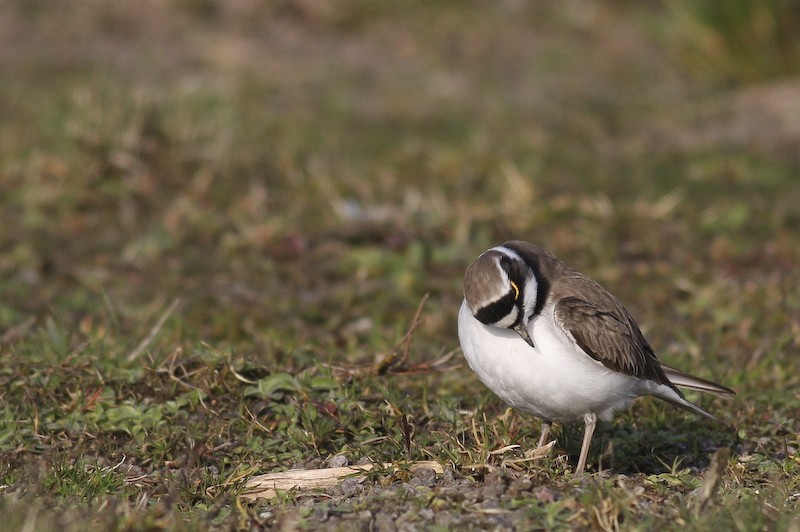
<point x="545" y="433"/>
<point x="590" y="420"/>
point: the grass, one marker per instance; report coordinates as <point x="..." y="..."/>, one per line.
<point x="744" y="41"/>
<point x="219" y="220"/>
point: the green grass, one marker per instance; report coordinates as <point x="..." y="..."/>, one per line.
<point x="217" y="221"/>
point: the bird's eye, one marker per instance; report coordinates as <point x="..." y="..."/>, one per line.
<point x="516" y="290"/>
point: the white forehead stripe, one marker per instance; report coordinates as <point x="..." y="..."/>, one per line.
<point x="510" y="253"/>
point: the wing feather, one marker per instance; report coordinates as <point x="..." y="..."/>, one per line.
<point x="610" y="336"/>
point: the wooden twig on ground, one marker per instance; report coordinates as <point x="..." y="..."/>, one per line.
<point x="267" y="486"/>
<point x="404" y="347"/>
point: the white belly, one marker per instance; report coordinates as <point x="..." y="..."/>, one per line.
<point x="555" y="381"/>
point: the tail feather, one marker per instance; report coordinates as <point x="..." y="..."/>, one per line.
<point x="686" y="405"/>
<point x="684" y="380"/>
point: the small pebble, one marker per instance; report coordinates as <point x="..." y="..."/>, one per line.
<point x="339" y="460"/>
<point x="425" y="476"/>
<point x="491" y="492"/>
<point x="408" y="490"/>
<point x="522" y="483"/>
<point x="351" y="486"/>
<point x="448" y="477"/>
<point x="545" y="494"/>
<point x="519" y="485"/>
<point x="384" y="521"/>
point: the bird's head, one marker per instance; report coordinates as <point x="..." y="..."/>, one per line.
<point x="500" y="290"/>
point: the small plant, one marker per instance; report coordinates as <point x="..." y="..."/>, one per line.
<point x="80" y="480"/>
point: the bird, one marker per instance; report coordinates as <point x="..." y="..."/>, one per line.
<point x="551" y="342"/>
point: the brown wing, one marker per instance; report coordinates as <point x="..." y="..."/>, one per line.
<point x="611" y="337"/>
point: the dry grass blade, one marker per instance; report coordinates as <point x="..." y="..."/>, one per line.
<point x="267" y="486"/>
<point x="392" y="362"/>
<point x="713" y="479"/>
<point x="438" y="364"/>
<point x="530" y="456"/>
<point x="154" y="331"/>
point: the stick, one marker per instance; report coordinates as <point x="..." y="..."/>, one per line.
<point x="386" y="364"/>
<point x="267" y="486"/>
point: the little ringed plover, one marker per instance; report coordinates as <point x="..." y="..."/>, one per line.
<point x="551" y="342"/>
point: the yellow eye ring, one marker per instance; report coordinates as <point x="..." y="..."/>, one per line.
<point x="516" y="290"/>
